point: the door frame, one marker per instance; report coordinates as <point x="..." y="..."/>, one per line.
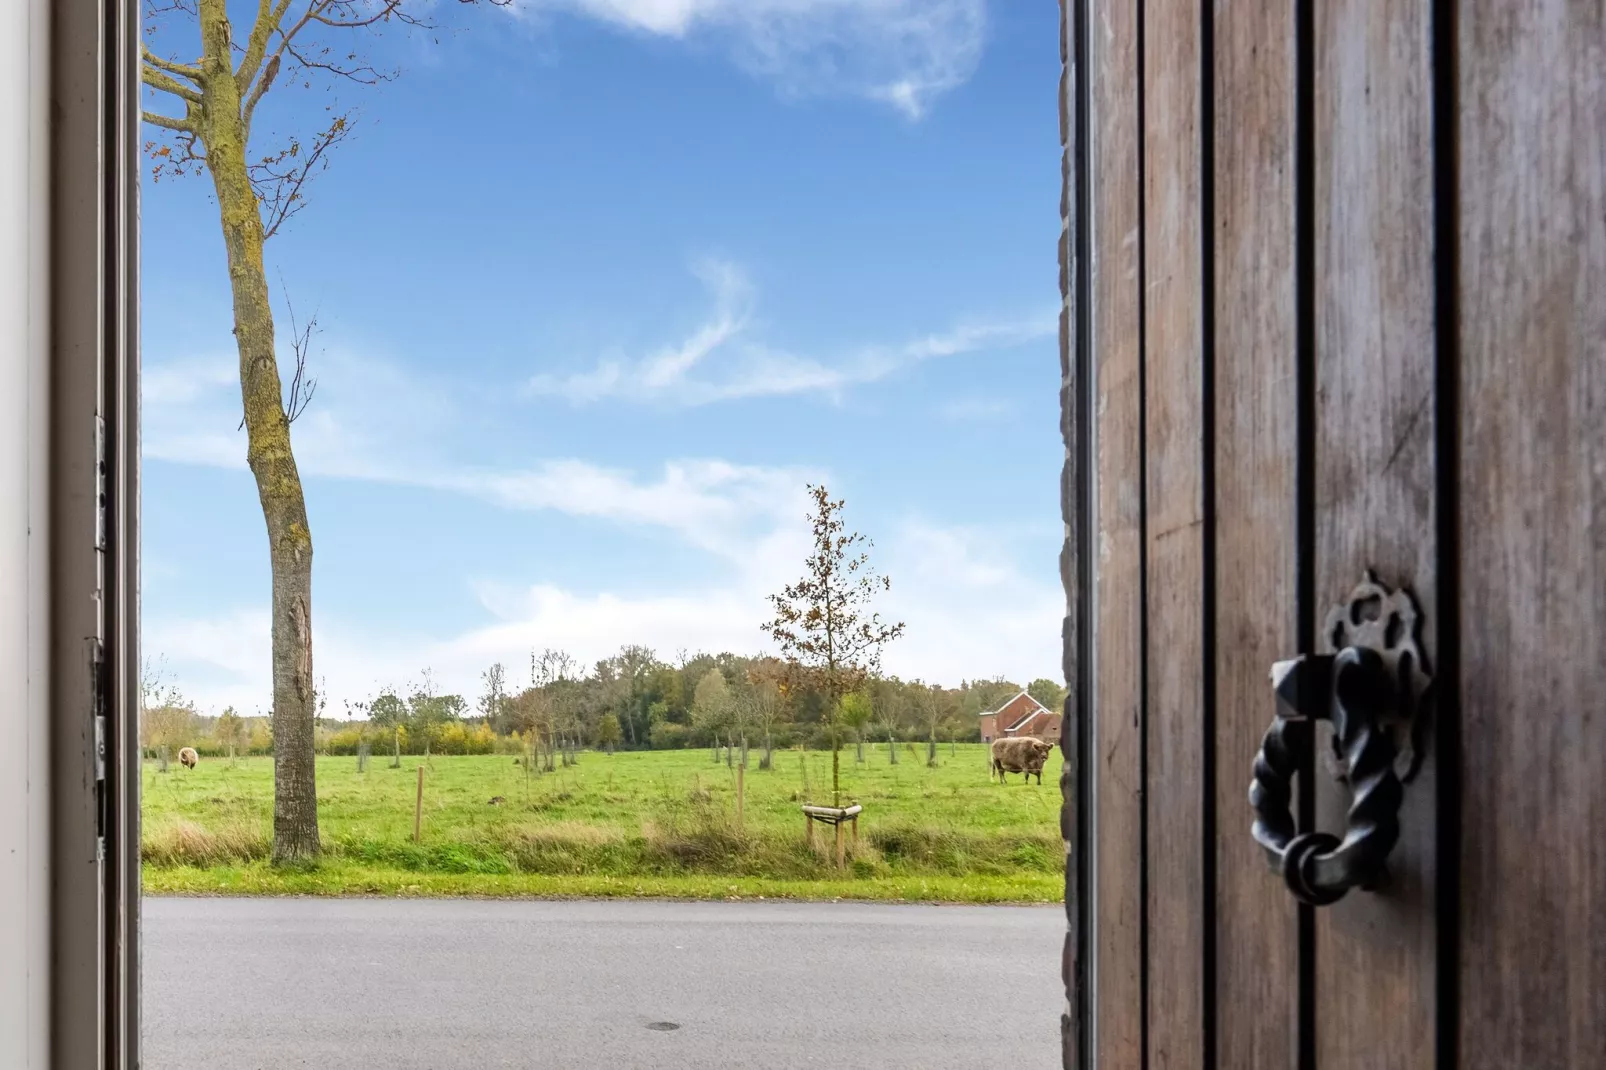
<point x="1078" y="807"/>
<point x="74" y="908"/>
<point x="69" y="535"/>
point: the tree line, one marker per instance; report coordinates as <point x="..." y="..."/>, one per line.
<point x="633" y="700"/>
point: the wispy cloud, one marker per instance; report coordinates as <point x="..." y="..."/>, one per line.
<point x="366" y="421"/>
<point x="667" y="369"/>
<point x="721" y="360"/>
<point x="714" y="505"/>
<point x="904" y="53"/>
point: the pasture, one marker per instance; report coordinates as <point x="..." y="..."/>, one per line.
<point x="651" y="823"/>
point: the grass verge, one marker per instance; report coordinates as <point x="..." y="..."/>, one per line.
<point x="343" y="879"/>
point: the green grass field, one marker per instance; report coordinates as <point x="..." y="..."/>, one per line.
<point x="659" y="823"/>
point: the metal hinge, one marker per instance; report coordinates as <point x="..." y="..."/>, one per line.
<point x="97" y="646"/>
<point x="100" y="483"/>
<point x="97" y="668"/>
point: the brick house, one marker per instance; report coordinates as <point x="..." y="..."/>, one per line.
<point x="1022" y="715"/>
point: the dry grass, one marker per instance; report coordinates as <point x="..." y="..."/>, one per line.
<point x="181" y="842"/>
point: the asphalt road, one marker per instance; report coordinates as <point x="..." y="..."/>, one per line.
<point x="259" y="984"/>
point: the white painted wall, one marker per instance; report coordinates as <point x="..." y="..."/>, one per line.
<point x="24" y="669"/>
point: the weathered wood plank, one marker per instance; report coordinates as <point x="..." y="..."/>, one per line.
<point x="1115" y="330"/>
<point x="1532" y="523"/>
<point x="1173" y="398"/>
<point x="1376" y="952"/>
<point x="1256" y="446"/>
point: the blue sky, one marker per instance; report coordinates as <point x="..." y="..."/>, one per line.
<point x="601" y="285"/>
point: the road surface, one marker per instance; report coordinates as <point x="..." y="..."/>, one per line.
<point x="449" y="984"/>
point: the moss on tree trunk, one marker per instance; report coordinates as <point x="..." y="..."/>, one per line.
<point x="268" y="452"/>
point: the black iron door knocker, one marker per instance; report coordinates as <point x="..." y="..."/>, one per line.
<point x="1373" y="689"/>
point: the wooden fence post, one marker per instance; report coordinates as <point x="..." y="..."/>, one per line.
<point x="839" y="860"/>
<point x="418" y="809"/>
<point x="741" y="792"/>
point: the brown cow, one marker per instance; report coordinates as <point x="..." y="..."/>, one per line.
<point x="187" y="758"/>
<point x="1019" y="754"/>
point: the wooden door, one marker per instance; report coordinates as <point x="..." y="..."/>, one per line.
<point x="1335" y="310"/>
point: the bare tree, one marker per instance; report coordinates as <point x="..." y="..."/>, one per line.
<point x="230" y="732"/>
<point x="212" y="101"/>
<point x="493" y="702"/>
<point x="553" y="674"/>
<point x="634" y="664"/>
<point x="888" y="705"/>
<point x="932" y="702"/>
<point x="765" y="700"/>
<point x="823" y="623"/>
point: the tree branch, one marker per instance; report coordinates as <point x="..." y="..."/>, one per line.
<point x="263" y="85"/>
<point x="302" y="387"/>
<point x="387" y="10"/>
<point x="277" y="180"/>
<point x="270" y="17"/>
<point x="270" y="70"/>
<point x="167" y="122"/>
<point x="168" y="84"/>
<point x="183" y="70"/>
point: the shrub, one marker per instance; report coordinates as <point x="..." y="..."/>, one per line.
<point x="666" y="735"/>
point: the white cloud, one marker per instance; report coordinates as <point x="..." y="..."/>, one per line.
<point x="720" y="361"/>
<point x="362" y="421"/>
<point x="970" y="612"/>
<point x="714" y="505"/>
<point x="904" y="53"/>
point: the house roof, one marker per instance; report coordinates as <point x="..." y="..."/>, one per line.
<point x="1029" y="718"/>
<point x="1027" y="710"/>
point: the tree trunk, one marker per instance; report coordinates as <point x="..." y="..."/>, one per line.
<point x="268" y="453"/>
<point x="836" y="766"/>
<point x="769" y="752"/>
<point x="892" y="748"/>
